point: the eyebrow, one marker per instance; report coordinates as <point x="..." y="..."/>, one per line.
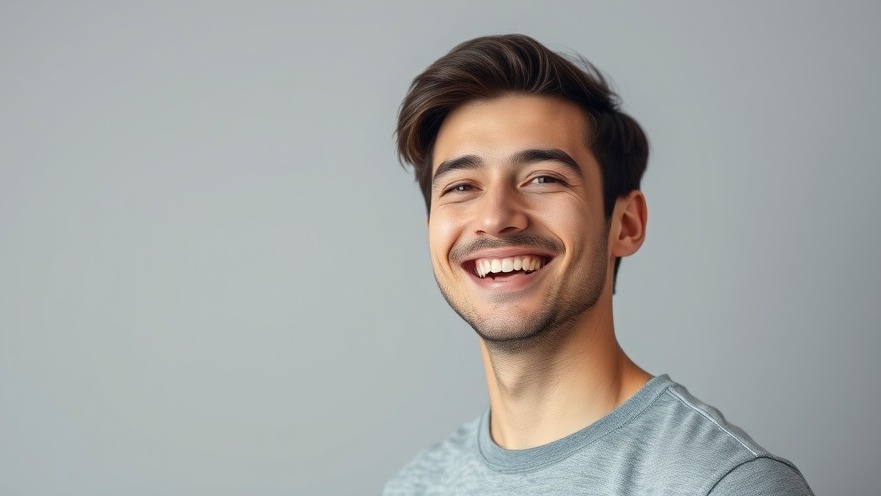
<point x="458" y="163"/>
<point x="547" y="154"/>
<point x="520" y="158"/>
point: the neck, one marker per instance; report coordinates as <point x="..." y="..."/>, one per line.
<point x="547" y="390"/>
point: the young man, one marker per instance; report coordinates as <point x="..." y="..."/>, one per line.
<point x="531" y="180"/>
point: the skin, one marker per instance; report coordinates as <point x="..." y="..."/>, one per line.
<point x="513" y="176"/>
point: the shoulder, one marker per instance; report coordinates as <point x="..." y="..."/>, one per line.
<point x="763" y="476"/>
<point x="696" y="442"/>
<point x="437" y="462"/>
<point x="700" y="421"/>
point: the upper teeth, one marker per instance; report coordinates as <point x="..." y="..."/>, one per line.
<point x="493" y="265"/>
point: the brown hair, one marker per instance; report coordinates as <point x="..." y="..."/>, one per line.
<point x="491" y="66"/>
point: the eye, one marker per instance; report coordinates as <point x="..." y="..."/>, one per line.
<point x="458" y="188"/>
<point x="545" y="179"/>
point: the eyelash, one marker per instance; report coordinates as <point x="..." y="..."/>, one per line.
<point x="455" y="188"/>
<point x="553" y="179"/>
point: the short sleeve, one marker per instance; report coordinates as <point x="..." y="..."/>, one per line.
<point x="762" y="477"/>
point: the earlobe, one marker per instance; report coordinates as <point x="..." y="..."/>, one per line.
<point x="628" y="224"/>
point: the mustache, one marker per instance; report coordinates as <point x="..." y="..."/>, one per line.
<point x="518" y="240"/>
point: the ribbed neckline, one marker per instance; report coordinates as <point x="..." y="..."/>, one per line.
<point x="505" y="460"/>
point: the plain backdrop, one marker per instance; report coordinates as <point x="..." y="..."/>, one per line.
<point x="214" y="276"/>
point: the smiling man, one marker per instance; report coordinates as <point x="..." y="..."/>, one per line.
<point x="531" y="176"/>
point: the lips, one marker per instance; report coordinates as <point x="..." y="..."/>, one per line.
<point x="498" y="265"/>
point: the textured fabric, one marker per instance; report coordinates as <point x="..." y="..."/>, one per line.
<point x="661" y="441"/>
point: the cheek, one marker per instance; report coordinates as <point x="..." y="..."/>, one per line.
<point x="574" y="225"/>
<point x="442" y="235"/>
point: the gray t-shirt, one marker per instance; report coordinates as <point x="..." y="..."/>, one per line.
<point x="661" y="441"/>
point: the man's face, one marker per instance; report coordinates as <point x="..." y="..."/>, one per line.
<point x="518" y="238"/>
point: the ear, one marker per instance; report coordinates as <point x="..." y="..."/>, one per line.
<point x="629" y="220"/>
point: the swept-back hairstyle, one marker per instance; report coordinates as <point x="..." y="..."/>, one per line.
<point x="492" y="66"/>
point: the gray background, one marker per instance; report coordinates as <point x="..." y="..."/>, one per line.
<point x="214" y="275"/>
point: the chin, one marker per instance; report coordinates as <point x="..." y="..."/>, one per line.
<point x="510" y="327"/>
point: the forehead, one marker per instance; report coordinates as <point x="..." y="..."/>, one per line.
<point x="500" y="127"/>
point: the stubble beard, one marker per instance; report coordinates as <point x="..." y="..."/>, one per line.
<point x="514" y="331"/>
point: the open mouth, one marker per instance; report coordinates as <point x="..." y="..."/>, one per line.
<point x="496" y="268"/>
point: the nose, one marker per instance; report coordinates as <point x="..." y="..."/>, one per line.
<point x="500" y="211"/>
